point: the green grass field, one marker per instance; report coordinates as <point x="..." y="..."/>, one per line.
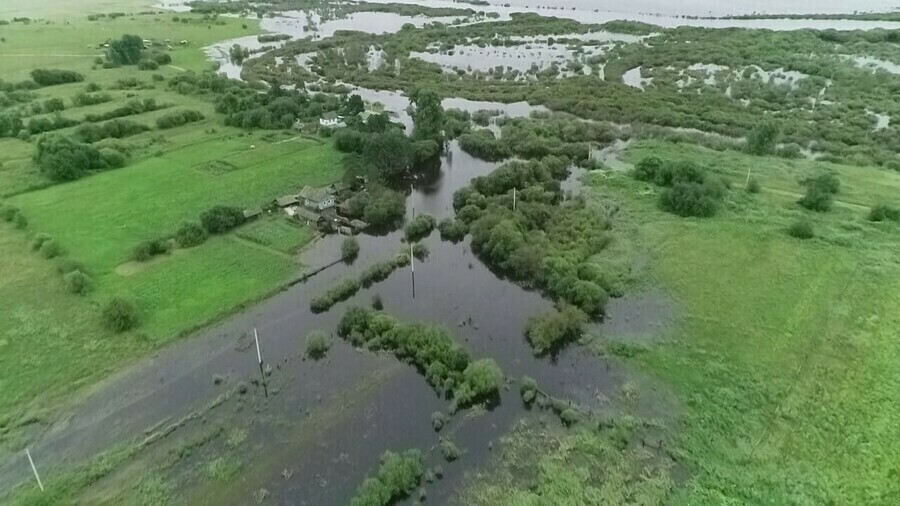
<point x="53" y="342"/>
<point x="785" y="353"/>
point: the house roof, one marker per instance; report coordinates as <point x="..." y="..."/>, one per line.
<point x="330" y="115"/>
<point x="315" y="194"/>
<point x="253" y="211"/>
<point x="306" y="214"/>
<point x="287" y="200"/>
<point x="364" y="116"/>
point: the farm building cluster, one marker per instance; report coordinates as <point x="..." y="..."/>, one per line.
<point x="320" y="207"/>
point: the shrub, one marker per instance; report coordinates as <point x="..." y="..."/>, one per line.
<point x="317" y="345"/>
<point x="78" y="282"/>
<point x="149" y="249"/>
<point x="801" y="229"/>
<point x="449" y="450"/>
<point x="8" y="213"/>
<point x="420" y="227"/>
<point x="481" y="379"/>
<point x="64" y="159"/>
<point x="20" y="222"/>
<point x="882" y="212"/>
<point x="220" y="219"/>
<point x="453" y="230"/>
<point x="39" y="241"/>
<point x="349" y="249"/>
<point x="178" y="118"/>
<point x="820" y="192"/>
<point x="753" y="186"/>
<point x="119" y="315"/>
<point x="147" y="65"/>
<point x="385" y="208"/>
<point x="570" y="416"/>
<point x="528" y="390"/>
<point x="53" y="105"/>
<point x="548" y="332"/>
<point x="337" y="293"/>
<point x="398" y="475"/>
<point x="692" y="199"/>
<point x="51" y="77"/>
<point x="51" y="249"/>
<point x="190" y="234"/>
<point x="125" y="51"/>
<point x="67" y="265"/>
<point x="85" y="99"/>
<point x="762" y="139"/>
<point x="116" y="129"/>
<point x="438" y="421"/>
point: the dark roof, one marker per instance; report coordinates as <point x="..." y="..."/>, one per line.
<point x="253" y="211"/>
<point x="306" y="214"/>
<point x="287" y="200"/>
<point x="315" y="194"/>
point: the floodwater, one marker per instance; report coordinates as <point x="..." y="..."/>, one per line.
<point x="526" y="58"/>
<point x="485" y="313"/>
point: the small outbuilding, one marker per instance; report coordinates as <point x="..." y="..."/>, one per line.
<point x="306" y="216"/>
<point x="331" y="120"/>
<point x="252" y="212"/>
<point x="287" y="201"/>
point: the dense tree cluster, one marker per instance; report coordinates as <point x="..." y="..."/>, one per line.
<point x="65" y="159"/>
<point x="178" y="118"/>
<point x="126" y="50"/>
<point x="421" y="226"/>
<point x="40" y="125"/>
<point x="687" y="189"/>
<point x="51" y="77"/>
<point x="115" y="129"/>
<point x="131" y="108"/>
<point x="379" y="207"/>
<point x="445" y="364"/>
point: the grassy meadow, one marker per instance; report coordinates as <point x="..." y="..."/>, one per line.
<point x="784" y="353"/>
<point x="53" y="341"/>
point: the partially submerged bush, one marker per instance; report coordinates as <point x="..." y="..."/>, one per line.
<point x="449" y="450"/>
<point x="550" y="331"/>
<point x="481" y="380"/>
<point x="801" y="229"/>
<point x="453" y="230"/>
<point x="317" y="344"/>
<point x="421" y="226"/>
<point x="78" y="282"/>
<point x="119" y="315"/>
<point x="337" y="293"/>
<point x="397" y="477"/>
<point x="349" y="249"/>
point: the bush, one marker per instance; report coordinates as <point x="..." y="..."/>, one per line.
<point x="78" y="282"/>
<point x="398" y="475"/>
<point x="882" y="212"/>
<point x="51" y="249"/>
<point x="481" y="379"/>
<point x="221" y="219"/>
<point x="85" y="99"/>
<point x="801" y="229"/>
<point x="125" y="51"/>
<point x="64" y="159"/>
<point x="449" y="450"/>
<point x="421" y="226"/>
<point x="51" y="77"/>
<point x="149" y="249"/>
<point x="550" y="331"/>
<point x="692" y="199"/>
<point x="528" y="390"/>
<point x="147" y="65"/>
<point x="337" y="293"/>
<point x="20" y="222"/>
<point x="384" y="209"/>
<point x="119" y="315"/>
<point x="116" y="129"/>
<point x="753" y="186"/>
<point x="178" y="118"/>
<point x="39" y="241"/>
<point x="67" y="265"/>
<point x="190" y="234"/>
<point x="453" y="230"/>
<point x="8" y="213"/>
<point x="317" y="345"/>
<point x="820" y="192"/>
<point x="349" y="249"/>
<point x="438" y="421"/>
<point x="53" y="105"/>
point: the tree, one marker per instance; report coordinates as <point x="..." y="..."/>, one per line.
<point x="64" y="159"/>
<point x="190" y="234"/>
<point x="762" y="139"/>
<point x="820" y="192"/>
<point x="354" y="105"/>
<point x="349" y="249"/>
<point x="428" y="116"/>
<point x="481" y="379"/>
<point x="125" y="51"/>
<point x="389" y="153"/>
<point x="220" y="219"/>
<point x="384" y="208"/>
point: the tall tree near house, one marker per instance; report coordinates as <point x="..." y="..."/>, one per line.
<point x="428" y="116"/>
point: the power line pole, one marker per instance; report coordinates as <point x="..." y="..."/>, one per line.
<point x="262" y="374"/>
<point x="34" y="470"/>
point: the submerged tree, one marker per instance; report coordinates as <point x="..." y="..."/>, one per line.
<point x="428" y="116"/>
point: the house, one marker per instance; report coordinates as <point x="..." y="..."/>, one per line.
<point x="364" y="116"/>
<point x="317" y="199"/>
<point x="287" y="201"/>
<point x="331" y="120"/>
<point x="253" y="212"/>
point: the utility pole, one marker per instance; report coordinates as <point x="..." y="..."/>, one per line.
<point x="34" y="470"/>
<point x="412" y="269"/>
<point x="262" y="373"/>
<point x="514" y="199"/>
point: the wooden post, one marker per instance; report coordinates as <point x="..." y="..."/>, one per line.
<point x="262" y="373"/>
<point x="34" y="470"/>
<point x="514" y="199"/>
